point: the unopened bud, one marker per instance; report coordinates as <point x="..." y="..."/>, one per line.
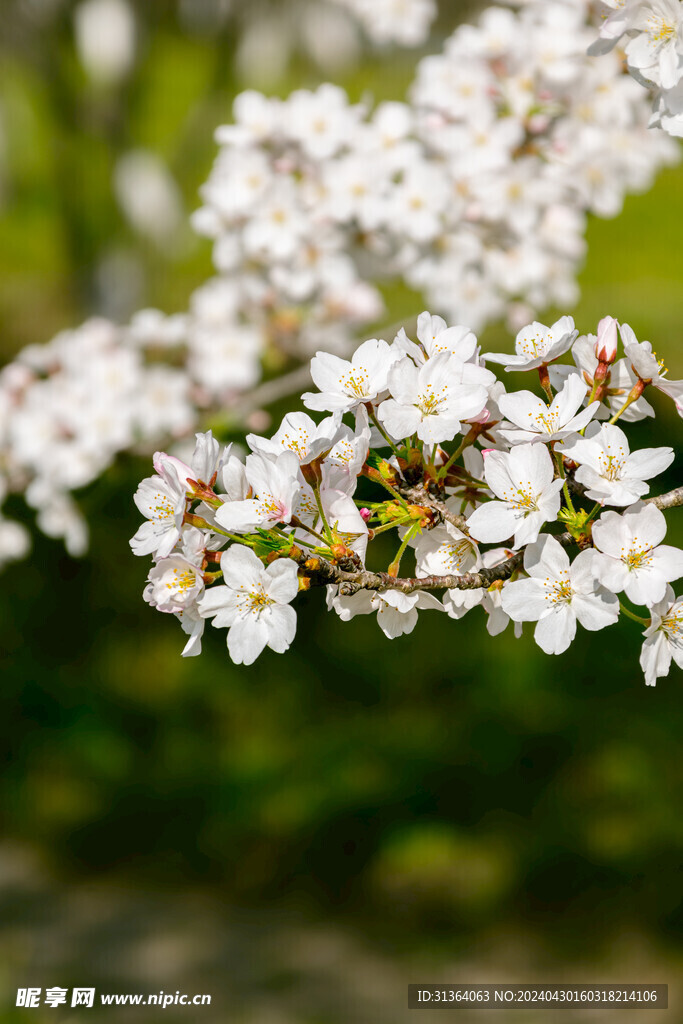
<point x="365" y="514"/>
<point x="606" y="342"/>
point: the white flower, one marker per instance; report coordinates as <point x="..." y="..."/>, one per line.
<point x="529" y="497"/>
<point x="538" y="345"/>
<point x="539" y="421"/>
<point x="664" y="638"/>
<point x="630" y="556"/>
<point x="396" y="612"/>
<point x="300" y="434"/>
<point x="437" y="337"/>
<point x="650" y="369"/>
<point x="556" y="594"/>
<point x="607" y="469"/>
<point x="655" y="50"/>
<point x="431" y="400"/>
<point x="345" y="385"/>
<point x="174" y="584"/>
<point x="253" y="602"/>
<point x="443" y="551"/>
<point x="275" y="484"/>
<point x="162" y="500"/>
<point x="458" y="602"/>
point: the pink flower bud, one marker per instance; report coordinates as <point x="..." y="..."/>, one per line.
<point x="606" y="343"/>
<point x="164" y="464"/>
<point x="365" y="514"/>
<point x="485" y="451"/>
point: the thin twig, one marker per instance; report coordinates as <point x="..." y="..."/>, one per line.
<point x="351" y="580"/>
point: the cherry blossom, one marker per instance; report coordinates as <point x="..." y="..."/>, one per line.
<point x="608" y="470"/>
<point x="630" y="556"/>
<point x="556" y="594"/>
<point x="663" y="638"/>
<point x="529" y="496"/>
<point x="254" y="603"/>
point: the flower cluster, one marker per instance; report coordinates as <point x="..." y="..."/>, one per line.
<point x="651" y="33"/>
<point x="489" y="490"/>
<point x="474" y="192"/>
<point x="399" y="22"/>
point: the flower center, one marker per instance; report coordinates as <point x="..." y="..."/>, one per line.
<point x="672" y="626"/>
<point x="661" y="30"/>
<point x="534" y="346"/>
<point x="356" y="382"/>
<point x="163" y="509"/>
<point x="637" y="558"/>
<point x="298" y="443"/>
<point x="429" y="402"/>
<point x="558" y="591"/>
<point x="547" y="422"/>
<point x="271" y="508"/>
<point x="455" y="554"/>
<point x="611" y="466"/>
<point x="255" y="602"/>
<point x="182" y="581"/>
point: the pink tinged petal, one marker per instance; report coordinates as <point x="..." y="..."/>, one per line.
<point x="280" y="621"/>
<point x="655" y="658"/>
<point x="281" y="581"/>
<point x="546" y="558"/>
<point x="674" y="390"/>
<point x="492" y="522"/>
<point x="246" y="639"/>
<point x="595" y="611"/>
<point x="524" y="600"/>
<point x="648" y="462"/>
<point x="241" y="516"/>
<point x="556" y="630"/>
<point x="668" y="562"/>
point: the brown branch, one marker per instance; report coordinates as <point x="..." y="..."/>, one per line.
<point x="669" y="500"/>
<point x="352" y="577"/>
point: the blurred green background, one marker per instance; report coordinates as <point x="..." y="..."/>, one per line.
<point x="304" y="837"/>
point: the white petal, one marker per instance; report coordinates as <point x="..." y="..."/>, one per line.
<point x="524" y="600"/>
<point x="246" y="639"/>
<point x="280" y="580"/>
<point x="242" y="570"/>
<point x="556" y="630"/>
<point x="280" y="621"/>
<point x="492" y="521"/>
